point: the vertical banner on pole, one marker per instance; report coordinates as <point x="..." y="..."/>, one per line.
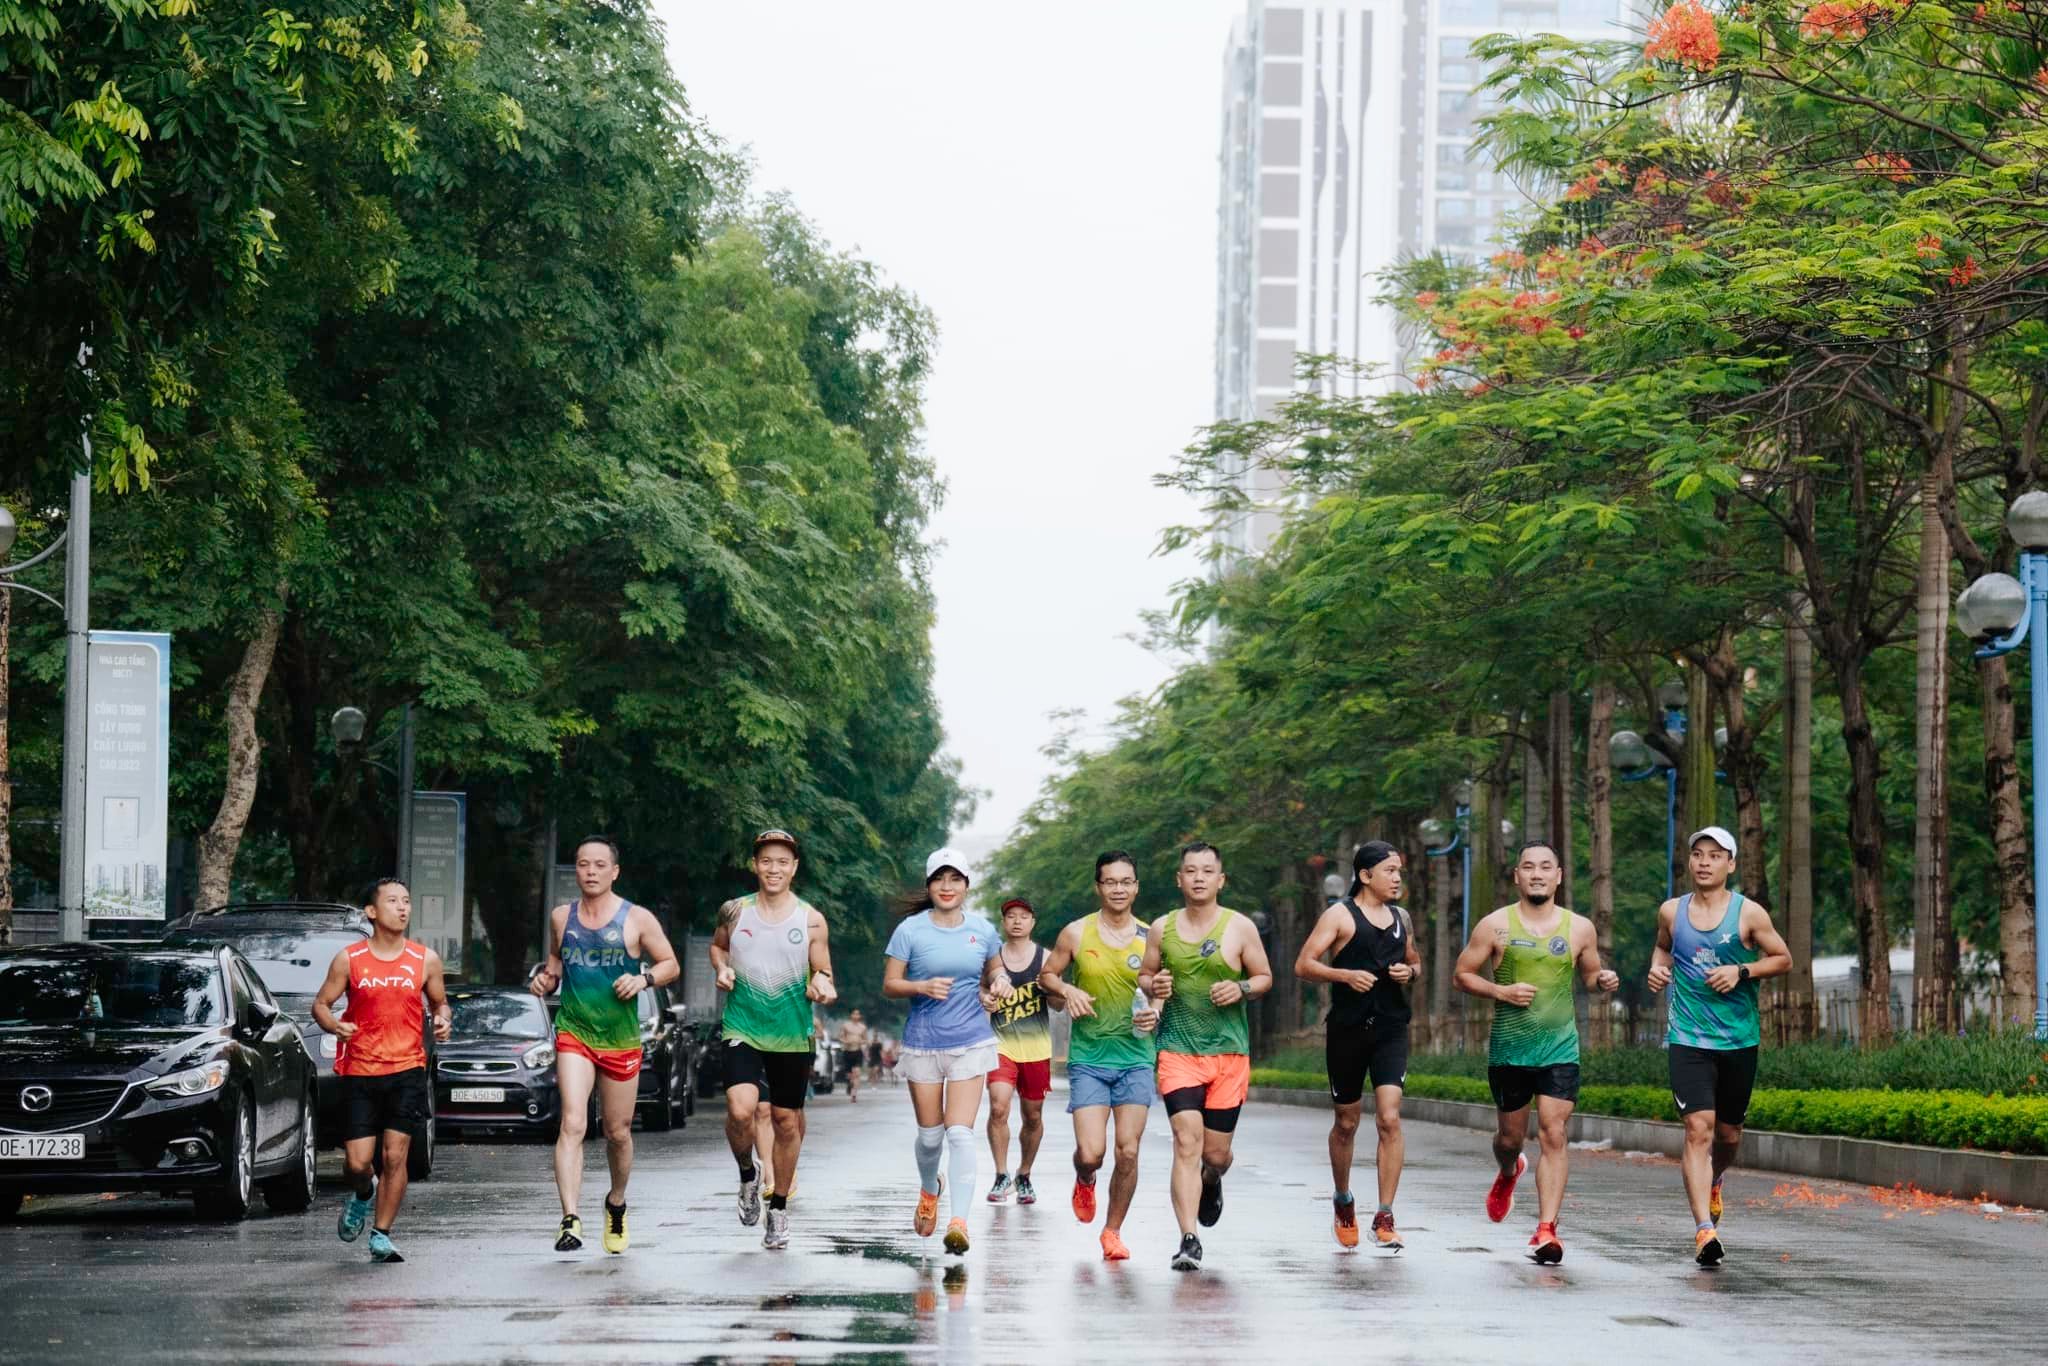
<point x="127" y="774"/>
<point x="562" y="886"/>
<point x="439" y="839"/>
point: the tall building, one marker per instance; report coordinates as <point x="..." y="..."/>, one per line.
<point x="1347" y="145"/>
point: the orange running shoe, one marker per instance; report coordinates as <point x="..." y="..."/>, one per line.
<point x="956" y="1237"/>
<point x="1714" y="1203"/>
<point x="1113" y="1249"/>
<point x="1545" y="1247"/>
<point x="1084" y="1201"/>
<point x="927" y="1217"/>
<point x="1346" y="1222"/>
<point x="1500" y="1201"/>
<point x="1706" y="1247"/>
<point x="1383" y="1231"/>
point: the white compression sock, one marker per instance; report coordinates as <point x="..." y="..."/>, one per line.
<point x="930" y="1143"/>
<point x="960" y="1165"/>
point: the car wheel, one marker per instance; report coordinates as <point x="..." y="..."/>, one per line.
<point x="662" y="1117"/>
<point x="419" y="1160"/>
<point x="294" y="1190"/>
<point x="228" y="1198"/>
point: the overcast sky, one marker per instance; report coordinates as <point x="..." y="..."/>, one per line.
<point x="1044" y="177"/>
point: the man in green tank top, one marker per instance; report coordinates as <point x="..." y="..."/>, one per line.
<point x="1523" y="958"/>
<point x="1202" y="963"/>
<point x="1111" y="1053"/>
<point x="1712" y="946"/>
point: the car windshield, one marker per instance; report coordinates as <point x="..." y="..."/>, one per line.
<point x="500" y="1013"/>
<point x="164" y="991"/>
<point x="291" y="962"/>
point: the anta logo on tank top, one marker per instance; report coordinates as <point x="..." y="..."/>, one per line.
<point x="404" y="979"/>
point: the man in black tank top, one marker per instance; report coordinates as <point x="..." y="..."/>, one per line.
<point x="1375" y="959"/>
<point x="1023" y="1070"/>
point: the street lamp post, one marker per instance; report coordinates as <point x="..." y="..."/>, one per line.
<point x="76" y="539"/>
<point x="1635" y="760"/>
<point x="346" y="726"/>
<point x="1441" y="841"/>
<point x="2001" y="613"/>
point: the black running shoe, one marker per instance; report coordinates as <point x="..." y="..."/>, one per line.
<point x="1211" y="1208"/>
<point x="1189" y="1258"/>
<point x="570" y="1239"/>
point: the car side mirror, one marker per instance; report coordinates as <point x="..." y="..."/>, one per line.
<point x="259" y="1016"/>
<point x="679" y="1013"/>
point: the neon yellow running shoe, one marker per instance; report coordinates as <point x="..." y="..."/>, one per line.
<point x="615" y="1238"/>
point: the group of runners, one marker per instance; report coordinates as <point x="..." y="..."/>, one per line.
<point x="1159" y="1014"/>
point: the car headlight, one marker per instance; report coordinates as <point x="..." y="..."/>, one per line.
<point x="195" y="1081"/>
<point x="539" y="1056"/>
<point x="329" y="1046"/>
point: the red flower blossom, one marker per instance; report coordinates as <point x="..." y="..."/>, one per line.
<point x="1890" y="165"/>
<point x="1928" y="247"/>
<point x="1585" y="187"/>
<point x="1719" y="191"/>
<point x="2041" y="78"/>
<point x="1829" y="19"/>
<point x="1964" y="273"/>
<point x="1685" y="34"/>
<point x="1509" y="260"/>
<point x="1652" y="181"/>
<point x="1592" y="246"/>
<point x="1575" y="332"/>
<point x="1427" y="298"/>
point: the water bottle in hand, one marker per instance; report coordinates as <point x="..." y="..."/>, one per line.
<point x="1139" y="1005"/>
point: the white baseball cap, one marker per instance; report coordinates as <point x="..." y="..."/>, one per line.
<point x="948" y="857"/>
<point x="1714" y="833"/>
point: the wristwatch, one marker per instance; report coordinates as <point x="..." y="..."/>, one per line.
<point x="1742" y="973"/>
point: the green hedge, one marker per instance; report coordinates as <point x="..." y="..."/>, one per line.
<point x="1938" y="1119"/>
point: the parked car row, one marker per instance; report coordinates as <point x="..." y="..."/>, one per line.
<point x="192" y="1066"/>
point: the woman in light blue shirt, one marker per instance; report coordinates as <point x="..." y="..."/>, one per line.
<point x="948" y="1047"/>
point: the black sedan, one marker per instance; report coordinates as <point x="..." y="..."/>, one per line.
<point x="497" y="1071"/>
<point x="136" y="1067"/>
<point x="668" y="1058"/>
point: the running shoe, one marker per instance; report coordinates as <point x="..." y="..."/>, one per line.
<point x="570" y="1239"/>
<point x="1211" y="1208"/>
<point x="1545" y="1248"/>
<point x="1714" y="1203"/>
<point x="1706" y="1247"/>
<point x="1500" y="1201"/>
<point x="1084" y="1201"/>
<point x="1189" y="1258"/>
<point x="777" y="1236"/>
<point x="1383" y="1231"/>
<point x="750" y="1202"/>
<point x="999" y="1193"/>
<point x="1346" y="1222"/>
<point x="1027" y="1194"/>
<point x="956" y="1237"/>
<point x="355" y="1216"/>
<point x="614" y="1227"/>
<point x="381" y="1249"/>
<point x="927" y="1217"/>
<point x="1113" y="1249"/>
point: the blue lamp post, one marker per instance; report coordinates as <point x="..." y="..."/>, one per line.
<point x="2002" y="613"/>
<point x="1634" y="760"/>
<point x="1441" y="841"/>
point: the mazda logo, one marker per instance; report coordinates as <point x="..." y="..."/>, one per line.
<point x="36" y="1099"/>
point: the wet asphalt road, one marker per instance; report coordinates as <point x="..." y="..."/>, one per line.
<point x="1817" y="1272"/>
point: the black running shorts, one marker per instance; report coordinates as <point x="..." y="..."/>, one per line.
<point x="397" y="1102"/>
<point x="784" y="1078"/>
<point x="1715" y="1079"/>
<point x="1351" y="1053"/>
<point x="1514" y="1087"/>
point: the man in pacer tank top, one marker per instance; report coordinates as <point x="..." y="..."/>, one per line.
<point x="771" y="953"/>
<point x="602" y="952"/>
<point x="1373" y="942"/>
<point x="381" y="1060"/>
<point x="1203" y="963"/>
<point x="1712" y="946"/>
<point x="1523" y="958"/>
<point x="1113" y="1050"/>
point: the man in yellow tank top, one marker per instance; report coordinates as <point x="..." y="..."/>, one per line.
<point x="1523" y="958"/>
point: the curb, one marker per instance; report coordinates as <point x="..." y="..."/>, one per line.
<point x="1966" y="1174"/>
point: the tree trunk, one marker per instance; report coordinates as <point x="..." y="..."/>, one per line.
<point x="1744" y="765"/>
<point x="1559" y="767"/>
<point x="1866" y="852"/>
<point x="1934" y="951"/>
<point x="1483" y="840"/>
<point x="1696" y="804"/>
<point x="221" y="840"/>
<point x="1600" y="823"/>
<point x="1795" y="814"/>
<point x="1536" y="785"/>
<point x="6" y="784"/>
<point x="2009" y="844"/>
<point x="1442" y="873"/>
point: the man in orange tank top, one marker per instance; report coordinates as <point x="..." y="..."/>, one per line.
<point x="381" y="1064"/>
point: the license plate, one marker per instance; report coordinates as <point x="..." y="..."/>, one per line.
<point x="477" y="1095"/>
<point x="42" y="1147"/>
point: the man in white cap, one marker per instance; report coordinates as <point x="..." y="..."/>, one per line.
<point x="949" y="1047"/>
<point x="1713" y="944"/>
